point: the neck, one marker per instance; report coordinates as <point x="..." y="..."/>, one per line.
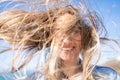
<point x="70" y="68"/>
<point x="68" y="64"/>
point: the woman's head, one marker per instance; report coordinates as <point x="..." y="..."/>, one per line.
<point x="67" y="40"/>
<point x="71" y="34"/>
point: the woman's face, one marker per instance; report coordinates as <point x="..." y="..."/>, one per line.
<point x="69" y="46"/>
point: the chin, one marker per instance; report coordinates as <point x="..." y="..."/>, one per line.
<point x="66" y="58"/>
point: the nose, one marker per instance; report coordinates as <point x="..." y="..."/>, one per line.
<point x="67" y="42"/>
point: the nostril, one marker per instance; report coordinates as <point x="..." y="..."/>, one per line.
<point x="73" y="46"/>
<point x="67" y="42"/>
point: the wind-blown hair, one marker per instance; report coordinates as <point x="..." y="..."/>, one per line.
<point x="36" y="29"/>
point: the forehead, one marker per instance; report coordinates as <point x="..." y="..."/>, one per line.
<point x="65" y="21"/>
<point x="66" y="24"/>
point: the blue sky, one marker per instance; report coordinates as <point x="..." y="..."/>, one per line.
<point x="109" y="10"/>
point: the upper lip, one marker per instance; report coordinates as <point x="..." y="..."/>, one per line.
<point x="67" y="48"/>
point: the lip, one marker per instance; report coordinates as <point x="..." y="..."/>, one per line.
<point x="67" y="49"/>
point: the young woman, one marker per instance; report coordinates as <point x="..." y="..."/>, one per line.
<point x="67" y="32"/>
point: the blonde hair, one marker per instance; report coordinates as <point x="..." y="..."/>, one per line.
<point x="35" y="30"/>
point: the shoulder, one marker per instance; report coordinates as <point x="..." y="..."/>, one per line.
<point x="105" y="73"/>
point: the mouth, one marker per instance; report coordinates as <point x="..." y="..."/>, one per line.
<point x="67" y="49"/>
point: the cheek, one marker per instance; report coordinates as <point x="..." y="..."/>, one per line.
<point x="77" y="48"/>
<point x="78" y="45"/>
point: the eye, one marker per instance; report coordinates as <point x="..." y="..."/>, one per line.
<point x="76" y="37"/>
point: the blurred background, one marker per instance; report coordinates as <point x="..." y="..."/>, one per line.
<point x="109" y="10"/>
